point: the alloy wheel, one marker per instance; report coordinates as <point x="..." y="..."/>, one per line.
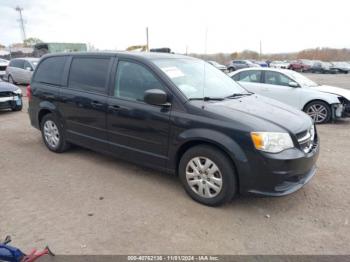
<point x="51" y="134"/>
<point x="317" y="112"/>
<point x="204" y="177"/>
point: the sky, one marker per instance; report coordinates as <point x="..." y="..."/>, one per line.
<point x="200" y="26"/>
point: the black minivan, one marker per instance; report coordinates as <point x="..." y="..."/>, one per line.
<point x="177" y="114"/>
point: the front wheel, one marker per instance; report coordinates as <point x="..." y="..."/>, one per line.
<point x="53" y="135"/>
<point x="319" y="111"/>
<point x="208" y="175"/>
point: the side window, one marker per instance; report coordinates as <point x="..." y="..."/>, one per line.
<point x="19" y="63"/>
<point x="236" y="77"/>
<point x="89" y="74"/>
<point x="27" y="65"/>
<point x="132" y="80"/>
<point x="50" y="70"/>
<point x="275" y="78"/>
<point x="250" y="76"/>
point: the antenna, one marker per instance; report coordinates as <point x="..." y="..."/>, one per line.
<point x="21" y="22"/>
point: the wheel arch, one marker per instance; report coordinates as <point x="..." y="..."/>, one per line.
<point x="45" y="108"/>
<point x="220" y="141"/>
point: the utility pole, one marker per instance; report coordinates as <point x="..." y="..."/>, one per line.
<point x="206" y="40"/>
<point x="260" y="50"/>
<point x="147" y="44"/>
<point x="21" y="22"/>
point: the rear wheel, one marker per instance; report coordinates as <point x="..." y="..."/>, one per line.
<point x="208" y="175"/>
<point x="53" y="135"/>
<point x="319" y="111"/>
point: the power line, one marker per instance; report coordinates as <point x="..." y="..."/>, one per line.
<point x="21" y="22"/>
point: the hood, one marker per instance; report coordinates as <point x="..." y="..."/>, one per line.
<point x="7" y="87"/>
<point x="261" y="112"/>
<point x="333" y="90"/>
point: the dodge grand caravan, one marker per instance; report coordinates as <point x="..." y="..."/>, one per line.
<point x="177" y="114"/>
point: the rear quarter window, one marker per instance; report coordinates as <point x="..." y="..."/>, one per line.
<point x="50" y="70"/>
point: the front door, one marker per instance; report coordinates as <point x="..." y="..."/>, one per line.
<point x="276" y="86"/>
<point x="137" y="131"/>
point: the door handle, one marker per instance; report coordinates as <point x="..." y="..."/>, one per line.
<point x="95" y="103"/>
<point x="113" y="107"/>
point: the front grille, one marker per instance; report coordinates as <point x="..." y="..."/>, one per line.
<point x="3" y="68"/>
<point x="307" y="139"/>
<point x="6" y="94"/>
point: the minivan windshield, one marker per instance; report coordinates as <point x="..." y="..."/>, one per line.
<point x="198" y="80"/>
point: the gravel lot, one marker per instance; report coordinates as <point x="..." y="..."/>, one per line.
<point x="81" y="202"/>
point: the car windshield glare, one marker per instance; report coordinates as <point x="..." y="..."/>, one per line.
<point x="198" y="80"/>
<point x="302" y="80"/>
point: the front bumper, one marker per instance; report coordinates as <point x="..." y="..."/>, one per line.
<point x="10" y="101"/>
<point x="279" y="174"/>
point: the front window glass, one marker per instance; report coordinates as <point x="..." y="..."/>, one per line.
<point x="133" y="80"/>
<point x="275" y="78"/>
<point x="197" y="79"/>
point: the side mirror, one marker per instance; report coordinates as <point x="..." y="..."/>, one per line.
<point x="293" y="84"/>
<point x="28" y="68"/>
<point x="156" y="97"/>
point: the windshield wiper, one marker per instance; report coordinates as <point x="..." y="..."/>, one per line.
<point x="239" y="95"/>
<point x="207" y="98"/>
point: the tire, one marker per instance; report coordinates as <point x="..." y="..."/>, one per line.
<point x="53" y="134"/>
<point x="321" y="107"/>
<point x="231" y="69"/>
<point x="217" y="193"/>
<point x="17" y="108"/>
<point x="10" y="80"/>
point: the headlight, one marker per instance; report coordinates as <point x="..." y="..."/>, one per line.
<point x="271" y="142"/>
<point x="18" y="91"/>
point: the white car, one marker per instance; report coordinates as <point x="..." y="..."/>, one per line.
<point x="321" y="102"/>
<point x="279" y="64"/>
<point x="3" y="64"/>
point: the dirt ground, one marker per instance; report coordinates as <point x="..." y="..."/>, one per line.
<point x="82" y="202"/>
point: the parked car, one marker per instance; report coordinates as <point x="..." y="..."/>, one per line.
<point x="322" y="103"/>
<point x="341" y="67"/>
<point x="3" y="64"/>
<point x="218" y="66"/>
<point x="177" y="114"/>
<point x="279" y="64"/>
<point x="323" y="68"/>
<point x="301" y="65"/>
<point x="239" y="64"/>
<point x="10" y="96"/>
<point x="20" y="70"/>
<point x="260" y="63"/>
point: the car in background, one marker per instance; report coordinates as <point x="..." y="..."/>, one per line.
<point x="301" y="65"/>
<point x="323" y="68"/>
<point x="260" y="63"/>
<point x="10" y="96"/>
<point x="239" y="64"/>
<point x="341" y="67"/>
<point x="279" y="64"/>
<point x="218" y="66"/>
<point x="322" y="103"/>
<point x="20" y="70"/>
<point x="3" y="64"/>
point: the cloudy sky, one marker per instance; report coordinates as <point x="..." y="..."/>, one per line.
<point x="281" y="25"/>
